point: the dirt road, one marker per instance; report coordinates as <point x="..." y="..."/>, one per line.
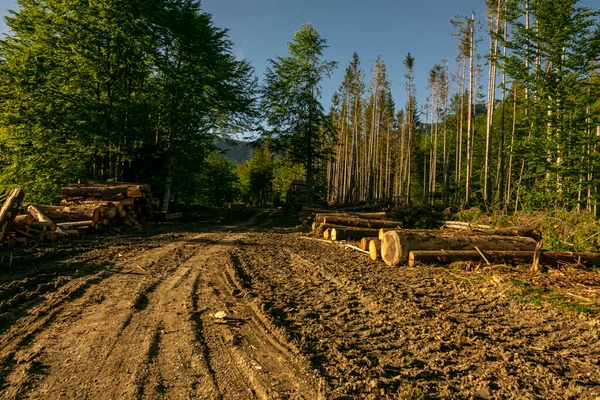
<point x="138" y="316"/>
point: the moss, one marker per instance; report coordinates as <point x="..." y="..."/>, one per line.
<point x="526" y="293"/>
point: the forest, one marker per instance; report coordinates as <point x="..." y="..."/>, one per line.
<point x="133" y="90"/>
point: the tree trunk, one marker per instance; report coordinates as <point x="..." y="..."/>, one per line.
<point x="362" y="223"/>
<point x="9" y="211"/>
<point x="450" y="256"/>
<point x="94" y="191"/>
<point x="23" y="220"/>
<point x="68" y="226"/>
<point x="351" y="233"/>
<point x="42" y="219"/>
<point x="547" y="258"/>
<point x="364" y="242"/>
<point x="470" y="112"/>
<point x="396" y="245"/>
<point x="70" y="213"/>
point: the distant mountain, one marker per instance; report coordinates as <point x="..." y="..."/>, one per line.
<point x="236" y="151"/>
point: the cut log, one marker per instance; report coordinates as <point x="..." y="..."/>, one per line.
<point x="110" y="211"/>
<point x="462" y="225"/>
<point x="22" y="220"/>
<point x="526" y="231"/>
<point x="547" y="258"/>
<point x="375" y="249"/>
<point x="9" y="211"/>
<point x="44" y="226"/>
<point x="69" y="226"/>
<point x="362" y="223"/>
<point x="364" y="242"/>
<point x="396" y="245"/>
<point x="379" y="216"/>
<point x="76" y="213"/>
<point x="382" y="232"/>
<point x="327" y="233"/>
<point x="556" y="258"/>
<point x="92" y="203"/>
<point x="351" y="233"/>
<point x="450" y="256"/>
<point x="94" y="191"/>
<point x="41" y="217"/>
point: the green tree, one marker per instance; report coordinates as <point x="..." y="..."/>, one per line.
<point x="119" y="90"/>
<point x="256" y="176"/>
<point x="554" y="59"/>
<point x="291" y="101"/>
<point x="217" y="181"/>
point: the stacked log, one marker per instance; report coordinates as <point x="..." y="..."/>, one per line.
<point x="396" y="245"/>
<point x="117" y="203"/>
<point x="386" y="240"/>
<point x="8" y="213"/>
<point x="85" y="207"/>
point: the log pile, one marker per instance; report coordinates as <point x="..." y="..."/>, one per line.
<point x="85" y="207"/>
<point x="358" y="226"/>
<point x="459" y="242"/>
<point x="115" y="204"/>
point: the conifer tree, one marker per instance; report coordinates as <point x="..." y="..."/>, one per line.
<point x="291" y="101"/>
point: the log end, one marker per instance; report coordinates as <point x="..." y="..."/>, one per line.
<point x="391" y="249"/>
<point x="333" y="235"/>
<point x="373" y="251"/>
<point x="411" y="259"/>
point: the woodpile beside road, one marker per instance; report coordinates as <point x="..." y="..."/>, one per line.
<point x="459" y="242"/>
<point x="85" y="207"/>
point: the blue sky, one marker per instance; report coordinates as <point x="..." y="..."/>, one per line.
<point x="260" y="30"/>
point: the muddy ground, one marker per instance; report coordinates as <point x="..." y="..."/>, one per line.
<point x="127" y="315"/>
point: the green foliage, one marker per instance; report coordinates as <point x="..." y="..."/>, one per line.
<point x="218" y="182"/>
<point x="256" y="177"/>
<point x="291" y="100"/>
<point x="524" y="292"/>
<point x="121" y="90"/>
<point x="284" y="172"/>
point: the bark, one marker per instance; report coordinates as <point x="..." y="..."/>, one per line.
<point x="450" y="256"/>
<point x="364" y="242"/>
<point x="379" y="216"/>
<point x="93" y="202"/>
<point x="94" y="191"/>
<point x="78" y="213"/>
<point x="524" y="231"/>
<point x="41" y="218"/>
<point x="470" y="113"/>
<point x="75" y="225"/>
<point x="9" y="211"/>
<point x="362" y="223"/>
<point x="546" y="258"/>
<point x="396" y="245"/>
<point x="23" y="220"/>
<point x="462" y="225"/>
<point x="351" y="233"/>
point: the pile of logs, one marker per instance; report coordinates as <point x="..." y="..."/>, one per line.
<point x="360" y="226"/>
<point x="85" y="207"/>
<point x="460" y="242"/>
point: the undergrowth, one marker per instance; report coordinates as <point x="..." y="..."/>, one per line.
<point x="561" y="230"/>
<point x="524" y="292"/>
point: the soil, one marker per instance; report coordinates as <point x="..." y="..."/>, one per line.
<point x="261" y="310"/>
